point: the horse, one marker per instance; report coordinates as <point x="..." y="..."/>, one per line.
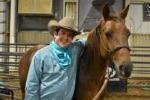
<point x="106" y="45"/>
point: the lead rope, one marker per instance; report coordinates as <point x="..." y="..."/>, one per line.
<point x="106" y="78"/>
<point x="103" y="86"/>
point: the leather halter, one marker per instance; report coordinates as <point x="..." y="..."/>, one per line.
<point x="111" y="52"/>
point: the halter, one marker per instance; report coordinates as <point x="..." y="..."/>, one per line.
<point x="110" y="53"/>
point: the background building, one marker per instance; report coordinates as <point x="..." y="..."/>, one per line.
<point x="138" y="21"/>
<point x="25" y="21"/>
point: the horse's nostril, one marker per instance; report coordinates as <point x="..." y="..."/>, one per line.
<point x="126" y="69"/>
<point x="121" y="67"/>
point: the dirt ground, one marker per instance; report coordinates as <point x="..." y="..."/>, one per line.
<point x="134" y="92"/>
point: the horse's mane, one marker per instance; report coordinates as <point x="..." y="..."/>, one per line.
<point x="93" y="43"/>
<point x="94" y="40"/>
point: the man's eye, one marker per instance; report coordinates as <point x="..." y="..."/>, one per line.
<point x="70" y="35"/>
<point x="62" y="31"/>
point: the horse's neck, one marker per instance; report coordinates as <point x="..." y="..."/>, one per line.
<point x="96" y="64"/>
<point x="93" y="56"/>
<point x="93" y="48"/>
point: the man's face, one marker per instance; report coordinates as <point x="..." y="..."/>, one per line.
<point x="64" y="37"/>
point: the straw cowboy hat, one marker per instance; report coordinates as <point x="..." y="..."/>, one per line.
<point x="66" y="22"/>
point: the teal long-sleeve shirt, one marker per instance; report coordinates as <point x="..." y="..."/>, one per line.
<point x="52" y="73"/>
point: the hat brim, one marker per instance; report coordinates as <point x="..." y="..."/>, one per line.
<point x="75" y="32"/>
<point x="54" y="28"/>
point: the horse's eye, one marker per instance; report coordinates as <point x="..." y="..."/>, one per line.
<point x="128" y="33"/>
<point x="109" y="34"/>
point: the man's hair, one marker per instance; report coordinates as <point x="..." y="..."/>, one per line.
<point x="57" y="30"/>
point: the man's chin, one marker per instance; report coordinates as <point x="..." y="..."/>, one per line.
<point x="64" y="45"/>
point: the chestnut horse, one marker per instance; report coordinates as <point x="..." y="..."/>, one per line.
<point x="107" y="44"/>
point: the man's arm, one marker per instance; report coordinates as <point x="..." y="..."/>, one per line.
<point x="32" y="88"/>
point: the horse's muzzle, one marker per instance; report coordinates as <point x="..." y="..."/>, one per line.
<point x="126" y="69"/>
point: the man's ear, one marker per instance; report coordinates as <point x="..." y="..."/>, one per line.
<point x="55" y="34"/>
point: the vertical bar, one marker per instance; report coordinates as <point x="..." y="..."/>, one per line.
<point x="12" y="30"/>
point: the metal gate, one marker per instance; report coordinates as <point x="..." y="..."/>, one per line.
<point x="9" y="79"/>
<point x="140" y="45"/>
<point x="140" y="56"/>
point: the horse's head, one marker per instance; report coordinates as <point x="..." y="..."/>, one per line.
<point x="114" y="41"/>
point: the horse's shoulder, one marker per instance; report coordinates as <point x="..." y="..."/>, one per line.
<point x="37" y="47"/>
<point x="32" y="50"/>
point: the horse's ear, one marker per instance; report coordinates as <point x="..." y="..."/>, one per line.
<point x="124" y="12"/>
<point x="106" y="12"/>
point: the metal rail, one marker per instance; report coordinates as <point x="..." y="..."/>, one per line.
<point x="141" y="70"/>
<point x="7" y="92"/>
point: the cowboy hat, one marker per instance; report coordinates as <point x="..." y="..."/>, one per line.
<point x="66" y="22"/>
<point x="52" y="26"/>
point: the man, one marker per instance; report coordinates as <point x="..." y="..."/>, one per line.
<point x="53" y="68"/>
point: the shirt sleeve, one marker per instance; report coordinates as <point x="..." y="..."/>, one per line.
<point x="81" y="42"/>
<point x="32" y="88"/>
